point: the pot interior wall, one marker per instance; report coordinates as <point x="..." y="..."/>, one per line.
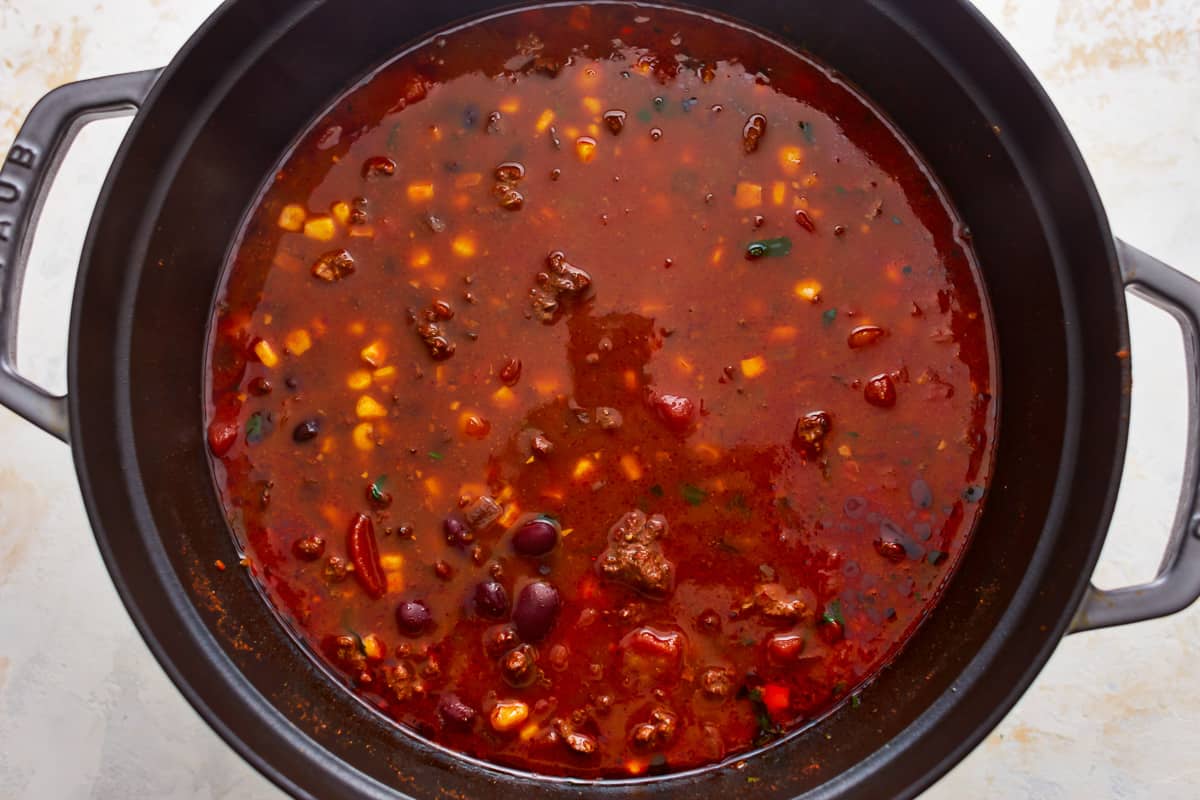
<point x="220" y="126"/>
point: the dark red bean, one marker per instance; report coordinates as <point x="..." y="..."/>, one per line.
<point x="880" y="391"/>
<point x="260" y="387"/>
<point x="510" y="372"/>
<point x="785" y="647"/>
<point x="457" y="531"/>
<point x="535" y="538"/>
<point x="378" y="167"/>
<point x="221" y="436"/>
<point x="364" y="554"/>
<point x="310" y="548"/>
<point x="454" y="711"/>
<point x="831" y="631"/>
<point x="306" y="431"/>
<point x="413" y="618"/>
<point x="615" y="120"/>
<point x="890" y="549"/>
<point x="491" y="599"/>
<point x="864" y="335"/>
<point x="676" y="411"/>
<point x="536" y="611"/>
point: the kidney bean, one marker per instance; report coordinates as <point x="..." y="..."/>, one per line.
<point x="413" y="617"/>
<point x="536" y="610"/>
<point x="675" y="411"/>
<point x="364" y="554"/>
<point x="491" y="599"/>
<point x="537" y="537"/>
<point x="221" y="436"/>
<point x="880" y="391"/>
<point x="785" y="647"/>
<point x="510" y="372"/>
<point x="890" y="549"/>
<point x="306" y="431"/>
<point x="456" y="531"/>
<point x="454" y="711"/>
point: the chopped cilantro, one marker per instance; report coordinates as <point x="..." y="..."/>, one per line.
<point x="855" y="701"/>
<point x="693" y="495"/>
<point x="435" y="455"/>
<point x="807" y="130"/>
<point x="779" y="246"/>
<point x="656" y="490"/>
<point x="829" y="316"/>
<point x="906" y="269"/>
<point x="256" y="428"/>
<point x="376" y="490"/>
<point x="833" y="612"/>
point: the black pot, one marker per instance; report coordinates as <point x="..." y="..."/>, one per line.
<point x="215" y="122"/>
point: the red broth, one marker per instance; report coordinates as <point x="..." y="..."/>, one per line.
<point x="602" y="390"/>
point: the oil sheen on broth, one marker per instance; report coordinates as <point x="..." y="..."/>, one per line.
<point x="602" y="391"/>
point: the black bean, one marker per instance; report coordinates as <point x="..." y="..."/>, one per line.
<point x="456" y="531"/>
<point x="307" y="430"/>
<point x="491" y="599"/>
<point x="536" y="611"/>
<point x="413" y="617"/>
<point x="535" y="538"/>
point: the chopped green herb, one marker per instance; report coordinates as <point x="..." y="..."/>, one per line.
<point x="256" y="428"/>
<point x="645" y="115"/>
<point x="906" y="269"/>
<point x="833" y="612"/>
<point x="807" y="129"/>
<point x="896" y="221"/>
<point x="693" y="495"/>
<point x="839" y="688"/>
<point x="766" y="726"/>
<point x="829" y="316"/>
<point x="855" y="701"/>
<point x="779" y="246"/>
<point x="656" y="490"/>
<point x="435" y="455"/>
<point x="852" y="434"/>
<point x="377" y="493"/>
<point x="752" y="779"/>
<point x="738" y="504"/>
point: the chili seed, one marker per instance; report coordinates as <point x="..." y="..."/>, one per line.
<point x="442" y="309"/>
<point x="510" y="172"/>
<point x="443" y="570"/>
<point x="656" y="134"/>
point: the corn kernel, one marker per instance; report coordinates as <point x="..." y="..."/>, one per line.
<point x="753" y="367"/>
<point x="583" y="468"/>
<point x="529" y="731"/>
<point x="463" y="246"/>
<point x="374" y="354"/>
<point x="391" y="562"/>
<point x="509" y="714"/>
<point x="844" y="451"/>
<point x="510" y="105"/>
<point x="790" y="158"/>
<point x="509" y="517"/>
<point x="544" y="120"/>
<point x="420" y="191"/>
<point x="266" y="354"/>
<point x="782" y="333"/>
<point x="592" y="104"/>
<point x="364" y="436"/>
<point x="341" y="212"/>
<point x="808" y="290"/>
<point x="298" y="342"/>
<point x="373" y="647"/>
<point x="747" y="195"/>
<point x="291" y="218"/>
<point x="433" y="486"/>
<point x="631" y="467"/>
<point x="420" y="258"/>
<point x="320" y="228"/>
<point x="395" y="582"/>
<point x="362" y="232"/>
<point x="384" y="373"/>
<point x="585" y="148"/>
<point x="368" y="407"/>
<point x="359" y="379"/>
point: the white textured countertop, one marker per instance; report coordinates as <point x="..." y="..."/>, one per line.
<point x="86" y="712"/>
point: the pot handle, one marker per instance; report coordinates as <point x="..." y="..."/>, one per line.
<point x="1177" y="584"/>
<point x="25" y="178"/>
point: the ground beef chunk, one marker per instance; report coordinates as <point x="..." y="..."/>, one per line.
<point x="716" y="683"/>
<point x="655" y="733"/>
<point x="402" y="682"/>
<point x="775" y="602"/>
<point x="559" y="282"/>
<point x="634" y="555"/>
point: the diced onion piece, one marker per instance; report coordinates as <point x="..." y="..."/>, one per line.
<point x="266" y="354"/>
<point x="790" y="158"/>
<point x="463" y="246"/>
<point x="298" y="342"/>
<point x="374" y="354"/>
<point x="753" y="367"/>
<point x="364" y="436"/>
<point x="778" y="192"/>
<point x="808" y="290"/>
<point x="420" y="191"/>
<point x="509" y="714"/>
<point x="368" y="407"/>
<point x="748" y="195"/>
<point x="291" y="217"/>
<point x="320" y="228"/>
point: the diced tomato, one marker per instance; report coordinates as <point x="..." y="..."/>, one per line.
<point x="776" y="698"/>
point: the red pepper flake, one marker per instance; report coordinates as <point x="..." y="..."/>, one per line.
<point x="364" y="554"/>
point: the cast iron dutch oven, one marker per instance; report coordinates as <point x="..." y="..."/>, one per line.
<point x="212" y="125"/>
